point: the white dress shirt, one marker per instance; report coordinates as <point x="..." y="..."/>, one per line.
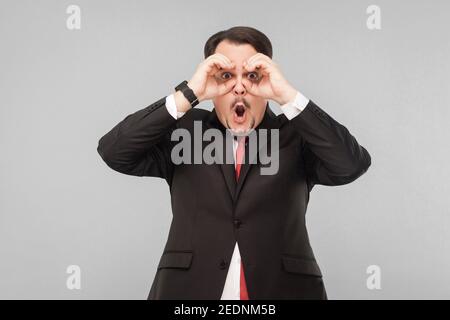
<point x="231" y="290"/>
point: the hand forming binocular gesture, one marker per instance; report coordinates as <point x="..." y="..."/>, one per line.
<point x="263" y="78"/>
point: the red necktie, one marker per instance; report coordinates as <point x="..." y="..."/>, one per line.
<point x="239" y="157"/>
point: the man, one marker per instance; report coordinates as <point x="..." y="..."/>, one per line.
<point x="237" y="233"/>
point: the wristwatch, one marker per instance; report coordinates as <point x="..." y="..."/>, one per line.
<point x="188" y="93"/>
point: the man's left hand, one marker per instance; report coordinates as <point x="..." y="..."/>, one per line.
<point x="272" y="84"/>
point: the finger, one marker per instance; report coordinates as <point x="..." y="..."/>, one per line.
<point x="214" y="65"/>
<point x="252" y="59"/>
<point x="226" y="87"/>
<point x="228" y="63"/>
<point x="220" y="57"/>
<point x="258" y="56"/>
<point x="258" y="59"/>
<point x="223" y="64"/>
<point x="225" y="59"/>
<point x="250" y="87"/>
<point x="263" y="66"/>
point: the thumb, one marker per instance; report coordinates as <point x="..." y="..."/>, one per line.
<point x="227" y="87"/>
<point x="250" y="87"/>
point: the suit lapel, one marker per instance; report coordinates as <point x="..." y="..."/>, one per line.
<point x="228" y="171"/>
<point x="229" y="174"/>
<point x="268" y="122"/>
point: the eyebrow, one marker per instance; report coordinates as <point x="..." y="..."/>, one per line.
<point x="227" y="70"/>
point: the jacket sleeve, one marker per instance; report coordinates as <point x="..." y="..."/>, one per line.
<point x="140" y="144"/>
<point x="332" y="156"/>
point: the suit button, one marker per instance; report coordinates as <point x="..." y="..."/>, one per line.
<point x="237" y="223"/>
<point x="223" y="264"/>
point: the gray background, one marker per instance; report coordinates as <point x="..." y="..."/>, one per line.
<point x="61" y="90"/>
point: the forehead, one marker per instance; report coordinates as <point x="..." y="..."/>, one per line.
<point x="237" y="53"/>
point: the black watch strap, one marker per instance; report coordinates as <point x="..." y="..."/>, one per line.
<point x="188" y="93"/>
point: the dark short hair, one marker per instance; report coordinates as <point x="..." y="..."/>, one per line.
<point x="240" y="35"/>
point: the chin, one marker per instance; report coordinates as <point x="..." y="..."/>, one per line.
<point x="241" y="128"/>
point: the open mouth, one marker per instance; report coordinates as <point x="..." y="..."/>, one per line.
<point x="240" y="109"/>
<point x="239" y="114"/>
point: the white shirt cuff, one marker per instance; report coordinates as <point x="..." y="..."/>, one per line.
<point x="172" y="107"/>
<point x="295" y="107"/>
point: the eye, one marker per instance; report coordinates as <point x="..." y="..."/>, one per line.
<point x="254" y="76"/>
<point x="226" y="73"/>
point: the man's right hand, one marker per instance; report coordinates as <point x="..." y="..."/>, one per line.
<point x="204" y="83"/>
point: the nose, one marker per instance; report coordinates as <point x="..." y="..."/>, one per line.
<point x="239" y="88"/>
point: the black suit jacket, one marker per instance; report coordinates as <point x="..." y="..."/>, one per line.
<point x="265" y="214"/>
